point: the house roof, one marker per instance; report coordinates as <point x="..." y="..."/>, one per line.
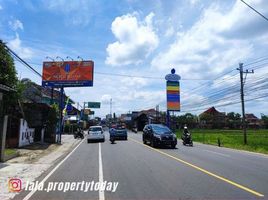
<point x="38" y="92"/>
<point x="250" y="116"/>
<point x="212" y="111"/>
<point x="6" y="88"/>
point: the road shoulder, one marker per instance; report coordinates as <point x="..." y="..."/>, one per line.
<point x="31" y="169"/>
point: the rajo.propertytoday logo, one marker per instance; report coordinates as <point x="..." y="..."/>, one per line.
<point x="15" y="185"/>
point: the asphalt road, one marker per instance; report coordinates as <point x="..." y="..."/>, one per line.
<point x="199" y="172"/>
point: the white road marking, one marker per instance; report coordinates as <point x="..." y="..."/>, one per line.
<point x="221" y="154"/>
<point x="52" y="171"/>
<point x="101" y="192"/>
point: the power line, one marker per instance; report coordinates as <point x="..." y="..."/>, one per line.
<point x="258" y="60"/>
<point x="228" y="104"/>
<point x="136" y="76"/>
<point x="22" y="61"/>
<point x="255" y="10"/>
<point x="231" y="92"/>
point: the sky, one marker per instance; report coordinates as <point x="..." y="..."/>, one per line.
<point x="204" y="41"/>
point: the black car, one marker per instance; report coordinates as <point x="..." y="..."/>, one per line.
<point x="158" y="134"/>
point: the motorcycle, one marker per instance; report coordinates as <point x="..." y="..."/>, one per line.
<point x="112" y="140"/>
<point x="187" y="139"/>
<point x="79" y="134"/>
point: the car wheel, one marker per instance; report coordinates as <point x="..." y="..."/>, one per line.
<point x="173" y="146"/>
<point x="125" y="138"/>
<point x="144" y="141"/>
<point x="153" y="143"/>
<point x="88" y="141"/>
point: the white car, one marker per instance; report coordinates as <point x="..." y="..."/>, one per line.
<point x="95" y="133"/>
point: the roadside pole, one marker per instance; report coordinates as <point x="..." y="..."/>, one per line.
<point x="3" y="138"/>
<point x="168" y="119"/>
<point x="242" y="83"/>
<point x="51" y="98"/>
<point x="61" y="118"/>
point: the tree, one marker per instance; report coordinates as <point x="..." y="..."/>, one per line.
<point x="189" y="119"/>
<point x="52" y="120"/>
<point x="265" y="120"/>
<point x="233" y="120"/>
<point x="8" y="77"/>
<point x="8" y="74"/>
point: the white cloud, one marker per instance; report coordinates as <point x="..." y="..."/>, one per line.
<point x="78" y="12"/>
<point x="16" y="24"/>
<point x="106" y="98"/>
<point x="16" y="46"/>
<point x="213" y="43"/>
<point x="1" y="8"/>
<point x="136" y="40"/>
<point x="194" y="2"/>
<point x="135" y="81"/>
<point x="169" y="32"/>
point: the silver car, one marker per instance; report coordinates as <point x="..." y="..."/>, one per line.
<point x="95" y="133"/>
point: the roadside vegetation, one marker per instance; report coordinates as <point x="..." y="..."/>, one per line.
<point x="257" y="138"/>
<point x="10" y="152"/>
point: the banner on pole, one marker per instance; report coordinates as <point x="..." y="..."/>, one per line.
<point x="173" y="96"/>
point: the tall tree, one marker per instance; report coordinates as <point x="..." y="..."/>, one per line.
<point x="8" y="75"/>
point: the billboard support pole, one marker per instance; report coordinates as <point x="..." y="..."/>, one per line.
<point x="61" y="118"/>
<point x="168" y="119"/>
<point x="51" y="98"/>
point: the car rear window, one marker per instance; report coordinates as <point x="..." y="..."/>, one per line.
<point x="95" y="129"/>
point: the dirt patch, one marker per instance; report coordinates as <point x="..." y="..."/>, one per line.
<point x="32" y="153"/>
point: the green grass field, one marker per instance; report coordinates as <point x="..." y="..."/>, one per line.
<point x="257" y="139"/>
<point x="10" y="151"/>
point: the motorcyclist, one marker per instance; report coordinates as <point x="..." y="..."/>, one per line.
<point x="185" y="131"/>
<point x="112" y="135"/>
<point x="186" y="137"/>
<point x="79" y="133"/>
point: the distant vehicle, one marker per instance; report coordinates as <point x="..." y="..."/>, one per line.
<point x="157" y="134"/>
<point x="118" y="132"/>
<point x="78" y="133"/>
<point x="95" y="133"/>
<point x="134" y="129"/>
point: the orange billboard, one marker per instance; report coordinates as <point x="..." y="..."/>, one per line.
<point x="68" y="73"/>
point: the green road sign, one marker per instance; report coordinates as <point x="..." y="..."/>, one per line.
<point x="93" y="104"/>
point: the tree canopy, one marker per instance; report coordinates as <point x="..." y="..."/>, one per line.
<point x="8" y="74"/>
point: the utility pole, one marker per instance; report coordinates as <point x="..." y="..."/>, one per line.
<point x="242" y="82"/>
<point x="111" y="103"/>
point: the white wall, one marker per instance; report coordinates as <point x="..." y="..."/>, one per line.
<point x="26" y="134"/>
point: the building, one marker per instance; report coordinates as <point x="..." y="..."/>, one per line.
<point x="252" y="121"/>
<point x="212" y="118"/>
<point x="140" y="119"/>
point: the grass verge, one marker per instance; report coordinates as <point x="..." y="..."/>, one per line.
<point x="10" y="151"/>
<point x="257" y="140"/>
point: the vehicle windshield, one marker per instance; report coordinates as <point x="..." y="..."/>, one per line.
<point x="95" y="129"/>
<point x="160" y="129"/>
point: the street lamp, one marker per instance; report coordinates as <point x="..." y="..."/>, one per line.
<point x="60" y="58"/>
<point x="50" y="58"/>
<point x="69" y="58"/>
<point x="78" y="57"/>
